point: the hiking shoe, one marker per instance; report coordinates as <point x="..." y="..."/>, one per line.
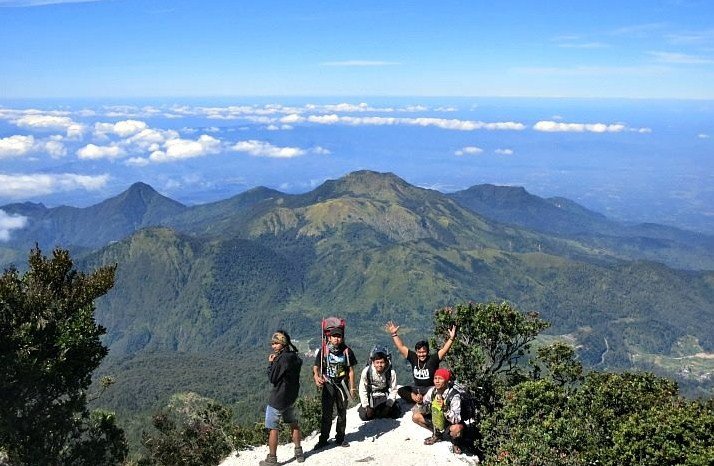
<point x="455" y="449"/>
<point x="344" y="443"/>
<point x="299" y="455"/>
<point x="431" y="440"/>
<point x="320" y="445"/>
<point x="269" y="460"/>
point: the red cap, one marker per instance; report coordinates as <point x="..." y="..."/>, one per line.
<point x="443" y="373"/>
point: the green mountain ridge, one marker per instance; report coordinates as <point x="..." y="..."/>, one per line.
<point x="210" y="282"/>
<point x="567" y="219"/>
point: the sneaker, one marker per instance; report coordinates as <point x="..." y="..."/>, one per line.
<point x="320" y="445"/>
<point x="344" y="443"/>
<point x="269" y="460"/>
<point x="299" y="455"/>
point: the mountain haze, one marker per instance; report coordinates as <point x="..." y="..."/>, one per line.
<point x="567" y="219"/>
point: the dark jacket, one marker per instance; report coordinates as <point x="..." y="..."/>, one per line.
<point x="284" y="374"/>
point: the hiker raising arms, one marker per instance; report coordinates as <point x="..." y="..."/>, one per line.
<point x="284" y="374"/>
<point x="423" y="363"/>
<point x="378" y="387"/>
<point x="332" y="372"/>
<point x="444" y="414"/>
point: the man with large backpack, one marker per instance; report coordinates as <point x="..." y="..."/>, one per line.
<point x="378" y="387"/>
<point x="284" y="374"/>
<point x="423" y="363"/>
<point x="444" y="415"/>
<point x="333" y="372"/>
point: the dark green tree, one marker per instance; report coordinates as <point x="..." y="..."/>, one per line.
<point x="560" y="362"/>
<point x="49" y="348"/>
<point x="491" y="339"/>
<point x="191" y="430"/>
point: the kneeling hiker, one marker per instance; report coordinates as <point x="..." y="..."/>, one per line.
<point x="378" y="387"/>
<point x="444" y="418"/>
<point x="284" y="373"/>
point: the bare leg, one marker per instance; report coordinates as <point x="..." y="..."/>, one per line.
<point x="419" y="419"/>
<point x="297" y="438"/>
<point x="273" y="441"/>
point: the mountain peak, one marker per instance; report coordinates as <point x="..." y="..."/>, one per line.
<point x="377" y="185"/>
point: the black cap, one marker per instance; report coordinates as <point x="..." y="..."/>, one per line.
<point x="336" y="331"/>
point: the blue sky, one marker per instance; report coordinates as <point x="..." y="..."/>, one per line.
<point x="609" y="104"/>
<point x="127" y="48"/>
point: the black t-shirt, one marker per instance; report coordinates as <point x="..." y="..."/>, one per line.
<point x="337" y="363"/>
<point x="423" y="372"/>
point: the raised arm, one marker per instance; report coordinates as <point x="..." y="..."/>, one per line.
<point x="393" y="330"/>
<point x="450" y="341"/>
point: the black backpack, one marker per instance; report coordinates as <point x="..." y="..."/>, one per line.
<point x="468" y="403"/>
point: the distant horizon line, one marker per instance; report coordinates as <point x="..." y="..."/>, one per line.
<point x="349" y="96"/>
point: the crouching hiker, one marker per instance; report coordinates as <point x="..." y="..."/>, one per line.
<point x="378" y="387"/>
<point x="284" y="373"/>
<point x="444" y="418"/>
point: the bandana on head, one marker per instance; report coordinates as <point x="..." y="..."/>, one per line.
<point x="279" y="338"/>
<point x="443" y="373"/>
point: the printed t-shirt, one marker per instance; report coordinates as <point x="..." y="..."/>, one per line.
<point x="423" y="372"/>
<point x="337" y="363"/>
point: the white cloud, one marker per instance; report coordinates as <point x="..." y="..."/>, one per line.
<point x="468" y="150"/>
<point x="54" y="148"/>
<point x="47" y="122"/>
<point x="137" y="162"/>
<point x="150" y="139"/>
<point x="94" y="152"/>
<point x="292" y="118"/>
<point x="450" y="124"/>
<point x="320" y="150"/>
<point x="557" y="127"/>
<point x="680" y="58"/>
<point x="124" y="128"/>
<point x="9" y="222"/>
<point x="16" y="146"/>
<point x="26" y="3"/>
<point x="504" y="151"/>
<point x="265" y="149"/>
<point x="24" y="186"/>
<point x="178" y="149"/>
<point x="703" y="136"/>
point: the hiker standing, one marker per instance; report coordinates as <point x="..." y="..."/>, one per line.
<point x="378" y="387"/>
<point x="333" y="371"/>
<point x="422" y="362"/>
<point x="284" y="374"/>
<point x="444" y="415"/>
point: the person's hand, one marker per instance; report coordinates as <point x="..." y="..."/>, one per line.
<point x="417" y="397"/>
<point x="452" y="332"/>
<point x="369" y="411"/>
<point x="390" y="402"/>
<point x="271" y="357"/>
<point x="319" y="381"/>
<point x="391" y="327"/>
